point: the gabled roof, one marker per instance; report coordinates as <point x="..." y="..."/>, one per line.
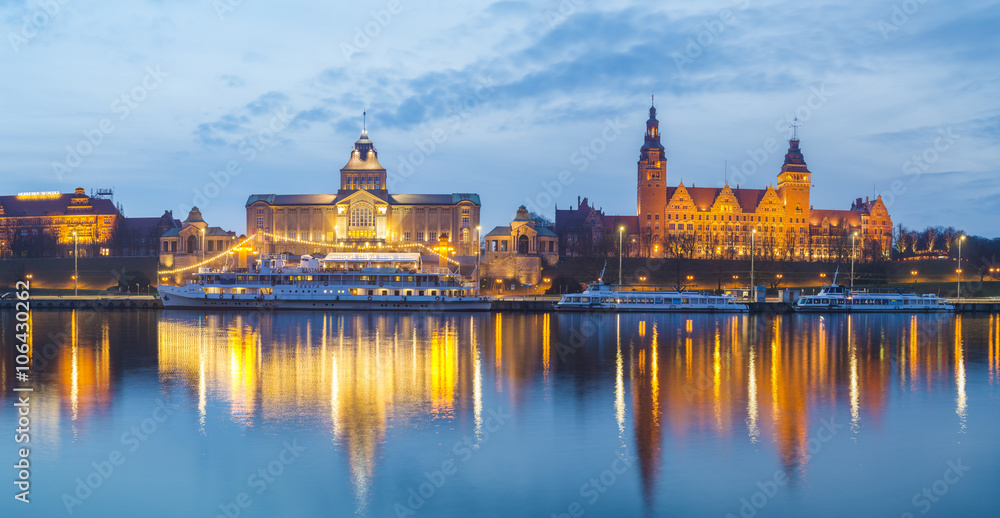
<point x="499" y="232"/>
<point x="545" y="231"/>
<point x="835" y="217"/>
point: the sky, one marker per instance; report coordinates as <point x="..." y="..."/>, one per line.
<point x="180" y="103"/>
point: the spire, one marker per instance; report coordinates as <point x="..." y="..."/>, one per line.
<point x="652" y="139"/>
<point x="795" y="128"/>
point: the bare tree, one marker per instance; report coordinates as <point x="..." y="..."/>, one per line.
<point x="931" y="234"/>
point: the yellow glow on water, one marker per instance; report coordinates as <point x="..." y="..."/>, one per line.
<point x="546" y="347"/>
<point x="717" y="379"/>
<point x="655" y="378"/>
<point x="752" y="417"/>
<point x="855" y="391"/>
<point x="961" y="400"/>
<point x="498" y="351"/>
<point x="619" y="380"/>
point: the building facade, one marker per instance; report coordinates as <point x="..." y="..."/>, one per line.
<point x="520" y="250"/>
<point x="191" y="243"/>
<point x="362" y="213"/>
<point x="586" y="230"/>
<point x="778" y="222"/>
<point x="53" y="224"/>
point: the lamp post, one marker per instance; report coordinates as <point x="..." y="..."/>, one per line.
<point x="202" y="245"/>
<point x="621" y="235"/>
<point x="959" y="283"/>
<point x="76" y="255"/>
<point x="479" y="230"/>
<point x="753" y="243"/>
<point x="854" y="237"/>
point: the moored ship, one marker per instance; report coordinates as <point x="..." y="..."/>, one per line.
<point x="843" y="299"/>
<point x="348" y="281"/>
<point x="646" y="299"/>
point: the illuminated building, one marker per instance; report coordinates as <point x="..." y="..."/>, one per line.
<point x="519" y="250"/>
<point x="778" y="222"/>
<point x="43" y="224"/>
<point x="362" y="211"/>
<point x="185" y="246"/>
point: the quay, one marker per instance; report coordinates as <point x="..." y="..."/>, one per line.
<point x="539" y="304"/>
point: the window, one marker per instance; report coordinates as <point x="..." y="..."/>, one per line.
<point x="260" y="210"/>
<point x="260" y="222"/>
<point x="420" y="236"/>
<point x="552" y="246"/>
<point x="173" y="246"/>
<point x="166" y="246"/>
<point x="465" y="211"/>
<point x="107" y="221"/>
<point x="406" y="236"/>
<point x="465" y="222"/>
<point x="210" y="245"/>
<point x="432" y="236"/>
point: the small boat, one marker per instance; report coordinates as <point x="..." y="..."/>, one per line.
<point x="347" y="281"/>
<point x="646" y="299"/>
<point x="842" y="299"/>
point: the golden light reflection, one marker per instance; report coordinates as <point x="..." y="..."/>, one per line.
<point x="546" y="349"/>
<point x="961" y="400"/>
<point x="619" y="380"/>
<point x="855" y="393"/>
<point x="994" y="348"/>
<point x="357" y="374"/>
<point x="752" y="427"/>
<point x="498" y="351"/>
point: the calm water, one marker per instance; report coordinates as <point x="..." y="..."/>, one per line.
<point x="180" y="413"/>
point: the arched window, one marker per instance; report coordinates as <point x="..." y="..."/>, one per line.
<point x="522" y="245"/>
<point x="192" y="244"/>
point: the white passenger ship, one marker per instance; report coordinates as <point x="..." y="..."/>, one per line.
<point x="348" y="281"/>
<point x="646" y="299"/>
<point x="843" y="299"/>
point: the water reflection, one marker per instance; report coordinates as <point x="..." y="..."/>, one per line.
<point x="762" y="381"/>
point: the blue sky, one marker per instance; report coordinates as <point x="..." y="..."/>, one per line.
<point x="522" y="102"/>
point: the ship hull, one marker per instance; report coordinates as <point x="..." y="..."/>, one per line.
<point x="180" y="299"/>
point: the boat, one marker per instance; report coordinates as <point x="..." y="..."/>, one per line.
<point x="833" y="298"/>
<point x="646" y="299"/>
<point x="338" y="281"/>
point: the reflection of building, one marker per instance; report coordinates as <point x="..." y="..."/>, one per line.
<point x="353" y="373"/>
<point x="586" y="230"/>
<point x="714" y="222"/>
<point x="520" y="250"/>
<point x="42" y="224"/>
<point x="362" y="211"/>
<point x="187" y="245"/>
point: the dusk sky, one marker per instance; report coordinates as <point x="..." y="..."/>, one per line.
<point x="155" y="98"/>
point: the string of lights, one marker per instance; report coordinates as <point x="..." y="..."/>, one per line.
<point x="234" y="249"/>
<point x="366" y="246"/>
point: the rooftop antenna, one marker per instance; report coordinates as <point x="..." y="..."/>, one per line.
<point x="364" y="119"/>
<point x="795" y="128"/>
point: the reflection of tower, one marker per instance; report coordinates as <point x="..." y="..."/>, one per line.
<point x="646" y="414"/>
<point x="789" y="394"/>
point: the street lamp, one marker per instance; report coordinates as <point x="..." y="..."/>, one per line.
<point x="753" y="242"/>
<point x="854" y="237"/>
<point x="621" y="235"/>
<point x="914" y="274"/>
<point x="76" y="270"/>
<point x="202" y="245"/>
<point x="960" y="239"/>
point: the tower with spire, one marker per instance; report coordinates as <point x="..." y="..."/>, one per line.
<point x="363" y="170"/>
<point x="795" y="180"/>
<point x="652" y="179"/>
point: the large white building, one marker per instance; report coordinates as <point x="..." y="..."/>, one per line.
<point x="362" y="212"/>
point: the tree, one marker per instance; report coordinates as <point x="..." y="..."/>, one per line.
<point x="541" y="220"/>
<point x="931" y="234"/>
<point x="901" y="239"/>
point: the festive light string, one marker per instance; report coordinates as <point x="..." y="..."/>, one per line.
<point x="366" y="246"/>
<point x="230" y="251"/>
